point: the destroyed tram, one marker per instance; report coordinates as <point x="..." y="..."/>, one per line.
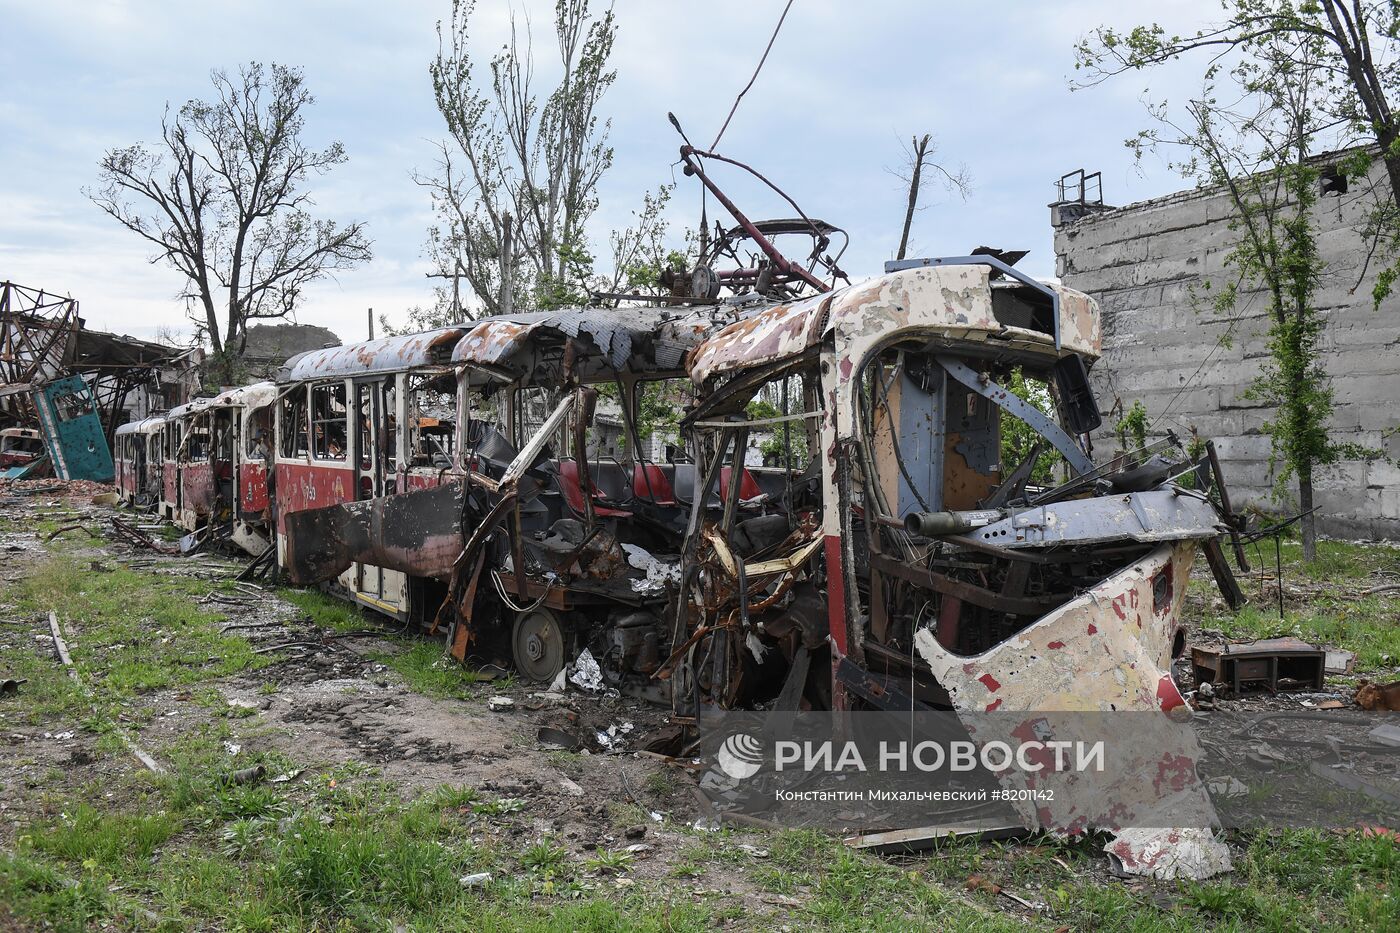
<point x="797" y="496"/>
<point x="460" y="479"/>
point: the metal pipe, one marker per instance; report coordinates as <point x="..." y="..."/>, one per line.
<point x="937" y="524"/>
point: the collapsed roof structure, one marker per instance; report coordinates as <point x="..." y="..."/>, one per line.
<point x="43" y="338"/>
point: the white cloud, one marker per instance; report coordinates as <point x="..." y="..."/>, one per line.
<point x="844" y="83"/>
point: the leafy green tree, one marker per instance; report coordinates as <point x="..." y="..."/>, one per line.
<point x="1348" y="53"/>
<point x="1252" y="139"/>
<point x="516" y="154"/>
<point x="1132" y="429"/>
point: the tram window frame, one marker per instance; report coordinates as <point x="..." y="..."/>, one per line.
<point x="327" y="422"/>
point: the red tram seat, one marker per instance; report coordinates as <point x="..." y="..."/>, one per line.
<point x="748" y="486"/>
<point x="571" y="486"/>
<point x="650" y="484"/>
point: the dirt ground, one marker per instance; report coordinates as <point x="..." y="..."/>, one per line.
<point x="324" y="698"/>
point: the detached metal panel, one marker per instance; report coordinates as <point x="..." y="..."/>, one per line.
<point x="72" y="431"/>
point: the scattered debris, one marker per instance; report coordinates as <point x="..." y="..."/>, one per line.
<point x="1227" y="786"/>
<point x="480" y="879"/>
<point x="982" y="883"/>
<point x="247" y="775"/>
<point x="500" y="704"/>
<point x="138" y="538"/>
<point x="1386" y="734"/>
<point x="10" y="685"/>
<point x="586" y="674"/>
<point x="557" y="738"/>
<point x="1190" y="853"/>
<point x="1378" y="697"/>
<point x="61" y="647"/>
<point x="1352" y="782"/>
<point x="1339" y="661"/>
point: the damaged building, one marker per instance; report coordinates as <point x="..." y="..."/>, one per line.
<point x="65" y="389"/>
<point x="44" y="338"/>
<point x="1166" y="345"/>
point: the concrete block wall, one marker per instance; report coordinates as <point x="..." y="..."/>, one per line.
<point x="1154" y="268"/>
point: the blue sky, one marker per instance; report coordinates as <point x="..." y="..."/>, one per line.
<point x="843" y="85"/>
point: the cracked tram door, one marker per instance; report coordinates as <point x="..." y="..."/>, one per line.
<point x="375" y="421"/>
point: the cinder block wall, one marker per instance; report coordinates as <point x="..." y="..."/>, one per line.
<point x="1149" y="265"/>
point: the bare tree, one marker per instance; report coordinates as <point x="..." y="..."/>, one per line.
<point x="220" y="198"/>
<point x="918" y="156"/>
<point x="511" y="152"/>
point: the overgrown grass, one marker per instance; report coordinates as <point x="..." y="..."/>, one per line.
<point x="338" y="848"/>
<point x="129" y="633"/>
<point x="329" y="611"/>
<point x="428" y="670"/>
<point x="1336" y="615"/>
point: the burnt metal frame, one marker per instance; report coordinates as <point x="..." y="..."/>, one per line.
<point x="899" y="265"/>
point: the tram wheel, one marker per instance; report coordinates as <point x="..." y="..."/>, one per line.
<point x="540" y="645"/>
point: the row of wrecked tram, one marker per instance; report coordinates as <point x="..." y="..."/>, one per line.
<point x="536" y="484"/>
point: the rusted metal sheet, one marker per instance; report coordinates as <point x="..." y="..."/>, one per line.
<point x="250" y="396"/>
<point x="954" y="301"/>
<point x="771" y="335"/>
<point x="614" y="340"/>
<point x="387" y="354"/>
<point x="302" y="485"/>
<point x="418" y="532"/>
<point x="253" y="497"/>
<point x="192" y="407"/>
<point x="1261" y="662"/>
<point x="196" y="492"/>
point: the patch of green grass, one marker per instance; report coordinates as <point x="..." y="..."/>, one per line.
<point x="454" y="797"/>
<point x="544" y="856"/>
<point x="426" y="669"/>
<point x="36" y="891"/>
<point x="609" y="862"/>
<point x="329" y="611"/>
<point x="1333" y="614"/>
<point x="659" y="782"/>
<point x="131" y="633"/>
<point x="89" y="837"/>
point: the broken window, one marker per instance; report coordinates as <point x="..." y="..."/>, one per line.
<point x="1332" y="180"/>
<point x="197" y="442"/>
<point x="432" y="416"/>
<point x="259" y="431"/>
<point x="174" y="433"/>
<point x="292" y="415"/>
<point x="533" y="406"/>
<point x="328" y="417"/>
<point x="659" y="406"/>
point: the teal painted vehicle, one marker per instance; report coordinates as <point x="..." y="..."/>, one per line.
<point x="72" y="430"/>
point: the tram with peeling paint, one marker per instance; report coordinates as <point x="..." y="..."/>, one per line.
<point x="360" y="422"/>
<point x="138" y="459"/>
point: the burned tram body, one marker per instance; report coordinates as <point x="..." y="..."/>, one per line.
<point x="888" y="541"/>
<point x="915" y="567"/>
<point x="884" y="558"/>
<point x="927" y="540"/>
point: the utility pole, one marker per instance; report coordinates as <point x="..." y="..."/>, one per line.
<point x="371" y="323"/>
<point x="507" y="298"/>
